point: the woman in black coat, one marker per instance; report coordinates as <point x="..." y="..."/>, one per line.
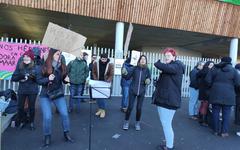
<point x="222" y="79"/>
<point x="25" y="74"/>
<point x="168" y="93"/>
<point x="141" y="77"/>
<point x="204" y="92"/>
<point x="237" y="108"/>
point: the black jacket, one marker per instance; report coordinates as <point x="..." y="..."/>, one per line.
<point x="138" y="75"/>
<point x="204" y="89"/>
<point x="29" y="86"/>
<point x="56" y="84"/>
<point x="222" y="79"/>
<point x="168" y="88"/>
<point x="193" y="78"/>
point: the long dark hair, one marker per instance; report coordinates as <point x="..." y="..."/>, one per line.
<point x="47" y="66"/>
<point x="138" y="63"/>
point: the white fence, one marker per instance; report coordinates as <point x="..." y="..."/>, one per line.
<point x="189" y="62"/>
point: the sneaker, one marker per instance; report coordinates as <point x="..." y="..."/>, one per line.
<point x="124" y="110"/>
<point x="224" y="135"/>
<point x="125" y="125"/>
<point x="137" y="126"/>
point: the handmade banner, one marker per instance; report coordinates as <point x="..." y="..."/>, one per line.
<point x="10" y="53"/>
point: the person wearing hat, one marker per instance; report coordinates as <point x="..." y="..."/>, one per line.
<point x="222" y="79"/>
<point x="237" y="108"/>
<point x="25" y="74"/>
<point x="102" y="70"/>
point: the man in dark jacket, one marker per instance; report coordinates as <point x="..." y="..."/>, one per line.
<point x="222" y="79"/>
<point x="193" y="89"/>
<point x="78" y="73"/>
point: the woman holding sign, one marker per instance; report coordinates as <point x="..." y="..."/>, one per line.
<point x="141" y="77"/>
<point x="50" y="76"/>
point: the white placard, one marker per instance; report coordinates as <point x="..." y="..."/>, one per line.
<point x="134" y="57"/>
<point x="118" y="66"/>
<point x="63" y="39"/>
<point x="100" y="89"/>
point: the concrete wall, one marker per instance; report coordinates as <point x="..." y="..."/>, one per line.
<point x="180" y="51"/>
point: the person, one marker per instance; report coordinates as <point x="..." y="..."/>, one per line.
<point x="193" y="89"/>
<point x="125" y="83"/>
<point x="50" y="76"/>
<point x="222" y="79"/>
<point x="237" y="108"/>
<point x="25" y="74"/>
<point x="78" y="72"/>
<point x="102" y="70"/>
<point x="167" y="95"/>
<point x="94" y="58"/>
<point x="141" y="77"/>
<point x="204" y="93"/>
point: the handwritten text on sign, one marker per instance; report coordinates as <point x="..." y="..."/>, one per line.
<point x="11" y="52"/>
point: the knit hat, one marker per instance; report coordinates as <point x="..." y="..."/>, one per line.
<point x="104" y="55"/>
<point x="30" y="54"/>
<point x="226" y="59"/>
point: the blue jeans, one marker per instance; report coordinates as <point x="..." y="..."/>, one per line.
<point x="101" y="103"/>
<point x="75" y="90"/>
<point x="226" y="112"/>
<point x="166" y="117"/>
<point x="193" y="102"/>
<point x="61" y="105"/>
<point x="125" y="95"/>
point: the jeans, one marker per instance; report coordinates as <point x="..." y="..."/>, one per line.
<point x="125" y="95"/>
<point x="61" y="105"/>
<point x="166" y="117"/>
<point x="31" y="106"/>
<point x="132" y="98"/>
<point x="101" y="103"/>
<point x="193" y="102"/>
<point x="75" y="90"/>
<point x="226" y="112"/>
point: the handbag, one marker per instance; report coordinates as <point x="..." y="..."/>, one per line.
<point x="54" y="94"/>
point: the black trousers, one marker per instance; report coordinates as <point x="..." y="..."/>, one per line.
<point x="31" y="106"/>
<point x="132" y="98"/>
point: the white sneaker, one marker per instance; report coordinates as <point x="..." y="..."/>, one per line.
<point x="125" y="125"/>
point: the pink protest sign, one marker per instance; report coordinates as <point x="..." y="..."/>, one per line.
<point x="11" y="52"/>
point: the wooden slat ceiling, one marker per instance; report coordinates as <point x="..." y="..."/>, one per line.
<point x="204" y="16"/>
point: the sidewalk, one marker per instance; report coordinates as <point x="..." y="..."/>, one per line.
<point x="107" y="134"/>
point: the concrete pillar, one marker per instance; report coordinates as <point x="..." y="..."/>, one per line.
<point x="234" y="50"/>
<point x="119" y="40"/>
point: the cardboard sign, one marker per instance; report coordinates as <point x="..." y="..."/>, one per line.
<point x="63" y="39"/>
<point x="134" y="57"/>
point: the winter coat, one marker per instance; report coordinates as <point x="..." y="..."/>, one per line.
<point x="222" y="79"/>
<point x="194" y="82"/>
<point x="168" y="87"/>
<point x="29" y="86"/>
<point x="108" y="72"/>
<point x="56" y="84"/>
<point x="77" y="71"/>
<point x="204" y="89"/>
<point x="126" y="82"/>
<point x="138" y="75"/>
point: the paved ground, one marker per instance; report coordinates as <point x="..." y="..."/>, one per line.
<point x="188" y="134"/>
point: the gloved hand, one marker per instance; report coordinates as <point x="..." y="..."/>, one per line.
<point x="147" y="81"/>
<point x="124" y="71"/>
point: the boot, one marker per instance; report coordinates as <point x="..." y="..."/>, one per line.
<point x="103" y="113"/>
<point x="137" y="126"/>
<point x="32" y="126"/>
<point x="67" y="137"/>
<point x="98" y="112"/>
<point x="125" y="125"/>
<point x="47" y="140"/>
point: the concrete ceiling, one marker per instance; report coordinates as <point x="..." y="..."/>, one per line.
<point x="28" y="23"/>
